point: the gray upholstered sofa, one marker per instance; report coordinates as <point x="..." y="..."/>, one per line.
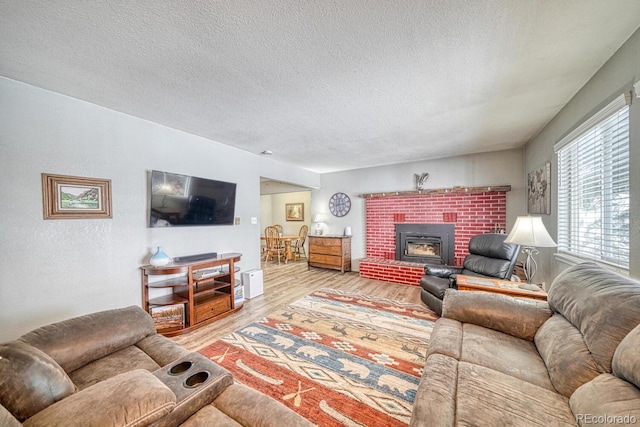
<point x="495" y="360"/>
<point x="112" y="369"/>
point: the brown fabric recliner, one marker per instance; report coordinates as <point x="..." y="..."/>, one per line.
<point x="498" y="360"/>
<point x="488" y="256"/>
<point x="112" y="368"/>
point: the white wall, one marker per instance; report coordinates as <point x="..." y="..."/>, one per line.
<point x="498" y="168"/>
<point x="272" y="208"/>
<point x="54" y="269"/>
<point x="616" y="76"/>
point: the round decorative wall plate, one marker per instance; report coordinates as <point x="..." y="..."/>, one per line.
<point x="339" y="204"/>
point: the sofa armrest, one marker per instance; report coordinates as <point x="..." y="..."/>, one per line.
<point x="518" y="317"/>
<point x="443" y="271"/>
<point x="135" y="398"/>
<point x="239" y="402"/>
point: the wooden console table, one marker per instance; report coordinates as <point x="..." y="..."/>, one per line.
<point x="196" y="294"/>
<point x="505" y="287"/>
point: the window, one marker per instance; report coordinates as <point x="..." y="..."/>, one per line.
<point x="593" y="187"/>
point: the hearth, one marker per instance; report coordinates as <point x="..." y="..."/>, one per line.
<point x="425" y="243"/>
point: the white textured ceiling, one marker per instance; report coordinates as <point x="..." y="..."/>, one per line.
<point x="326" y="85"/>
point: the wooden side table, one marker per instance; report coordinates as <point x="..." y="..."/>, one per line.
<point x="505" y="287"/>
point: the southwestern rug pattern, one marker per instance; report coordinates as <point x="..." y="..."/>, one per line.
<point x="336" y="358"/>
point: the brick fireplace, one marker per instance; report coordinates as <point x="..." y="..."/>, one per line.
<point x="470" y="212"/>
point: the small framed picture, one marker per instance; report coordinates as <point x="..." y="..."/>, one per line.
<point x="168" y="316"/>
<point x="294" y="211"/>
<point x="539" y="190"/>
<point x="68" y="197"/>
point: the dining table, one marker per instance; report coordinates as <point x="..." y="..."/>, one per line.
<point x="287" y="239"/>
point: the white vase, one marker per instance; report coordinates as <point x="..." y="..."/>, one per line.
<point x="159" y="259"/>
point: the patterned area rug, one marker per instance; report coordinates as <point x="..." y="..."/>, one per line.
<point x="336" y="358"/>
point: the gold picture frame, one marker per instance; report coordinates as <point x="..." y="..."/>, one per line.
<point x="294" y="211"/>
<point x="71" y="197"/>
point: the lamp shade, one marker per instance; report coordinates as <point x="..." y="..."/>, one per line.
<point x="530" y="231"/>
<point x="319" y="218"/>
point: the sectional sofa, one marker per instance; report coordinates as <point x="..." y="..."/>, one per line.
<point x="494" y="360"/>
<point x="112" y="369"/>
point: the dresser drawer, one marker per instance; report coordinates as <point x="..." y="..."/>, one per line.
<point x="214" y="307"/>
<point x="325" y="241"/>
<point x="325" y="259"/>
<point x="325" y="250"/>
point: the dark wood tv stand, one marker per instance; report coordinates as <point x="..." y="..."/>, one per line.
<point x="200" y="295"/>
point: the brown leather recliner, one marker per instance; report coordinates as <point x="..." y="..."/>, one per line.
<point x="488" y="256"/>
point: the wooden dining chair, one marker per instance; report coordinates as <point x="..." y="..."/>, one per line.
<point x="298" y="248"/>
<point x="273" y="247"/>
<point x="280" y="232"/>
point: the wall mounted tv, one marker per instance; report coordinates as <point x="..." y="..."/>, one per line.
<point x="181" y="200"/>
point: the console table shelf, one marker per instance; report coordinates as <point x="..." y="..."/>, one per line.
<point x="202" y="293"/>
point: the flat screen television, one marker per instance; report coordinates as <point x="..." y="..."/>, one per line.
<point x="181" y="200"/>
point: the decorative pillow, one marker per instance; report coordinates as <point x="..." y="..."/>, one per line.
<point x="626" y="362"/>
<point x="30" y="380"/>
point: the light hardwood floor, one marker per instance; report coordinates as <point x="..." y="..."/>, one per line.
<point x="286" y="283"/>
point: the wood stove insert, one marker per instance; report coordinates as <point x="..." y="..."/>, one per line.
<point x="425" y="243"/>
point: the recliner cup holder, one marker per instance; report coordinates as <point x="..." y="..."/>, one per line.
<point x="197" y="379"/>
<point x="180" y="367"/>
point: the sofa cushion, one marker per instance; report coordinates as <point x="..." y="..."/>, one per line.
<point x="161" y="349"/>
<point x="453" y="393"/>
<point x="606" y="400"/>
<point x="75" y="342"/>
<point x="515" y="316"/>
<point x="446" y="338"/>
<point x="507" y="354"/>
<point x="7" y="419"/>
<point x="210" y="416"/>
<point x="30" y="380"/>
<point x="240" y="402"/>
<point x="626" y="362"/>
<point x="116" y="363"/>
<point x="603" y="305"/>
<point x="435" y="402"/>
<point x="134" y="399"/>
<point x="569" y="361"/>
<point x="490" y="398"/>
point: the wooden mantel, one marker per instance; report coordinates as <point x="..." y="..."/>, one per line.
<point x="454" y="190"/>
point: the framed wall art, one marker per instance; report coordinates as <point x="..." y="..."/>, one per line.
<point x="68" y="197"/>
<point x="539" y="190"/>
<point x="294" y="211"/>
<point x="168" y="316"/>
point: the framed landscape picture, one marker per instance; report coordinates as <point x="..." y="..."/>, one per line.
<point x="294" y="211"/>
<point x="67" y="197"/>
<point x="539" y="190"/>
<point x="168" y="316"/>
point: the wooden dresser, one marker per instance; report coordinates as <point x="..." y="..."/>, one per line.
<point x="330" y="252"/>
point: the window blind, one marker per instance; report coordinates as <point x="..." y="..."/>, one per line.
<point x="593" y="189"/>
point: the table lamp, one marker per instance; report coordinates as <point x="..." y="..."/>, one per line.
<point x="318" y="219"/>
<point x="529" y="232"/>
